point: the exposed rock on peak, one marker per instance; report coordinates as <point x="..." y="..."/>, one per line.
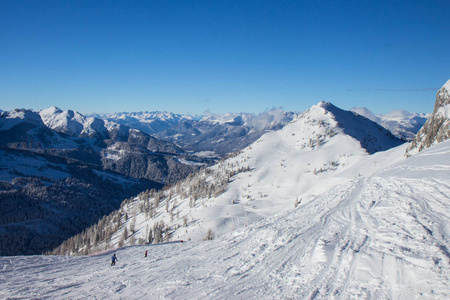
<point x="437" y="127"/>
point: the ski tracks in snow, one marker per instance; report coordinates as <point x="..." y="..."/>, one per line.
<point x="371" y="238"/>
<point x="377" y="237"/>
<point x="374" y="238"/>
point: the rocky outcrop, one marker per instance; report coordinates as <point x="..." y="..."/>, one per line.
<point x="437" y="128"/>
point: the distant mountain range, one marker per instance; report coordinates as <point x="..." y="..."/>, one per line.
<point x="104" y="143"/>
<point x="401" y="123"/>
<point x="214" y="134"/>
<point x="223" y="134"/>
<point x="148" y="122"/>
<point x="61" y="171"/>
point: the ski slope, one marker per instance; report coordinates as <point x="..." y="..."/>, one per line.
<point x="380" y="236"/>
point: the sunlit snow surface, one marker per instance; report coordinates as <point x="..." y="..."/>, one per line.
<point x="384" y="236"/>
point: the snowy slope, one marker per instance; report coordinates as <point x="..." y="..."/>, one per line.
<point x="9" y="119"/>
<point x="380" y="236"/>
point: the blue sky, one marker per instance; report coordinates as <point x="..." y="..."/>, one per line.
<point x="222" y="56"/>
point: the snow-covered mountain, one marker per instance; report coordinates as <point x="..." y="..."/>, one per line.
<point x="365" y="226"/>
<point x="60" y="172"/>
<point x="148" y="122"/>
<point x="401" y="123"/>
<point x="113" y="146"/>
<point x="311" y="154"/>
<point x="437" y="127"/>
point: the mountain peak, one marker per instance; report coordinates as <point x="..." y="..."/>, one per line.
<point x="9" y="119"/>
<point x="372" y="136"/>
<point x="50" y="110"/>
<point x="324" y="104"/>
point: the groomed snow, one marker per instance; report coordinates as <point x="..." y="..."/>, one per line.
<point x="380" y="236"/>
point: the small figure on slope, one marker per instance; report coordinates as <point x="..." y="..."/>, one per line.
<point x="113" y="260"/>
<point x="145" y="255"/>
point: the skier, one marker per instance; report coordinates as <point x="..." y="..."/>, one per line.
<point x="145" y="253"/>
<point x="113" y="260"/>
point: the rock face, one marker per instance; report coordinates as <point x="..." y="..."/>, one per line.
<point x="437" y="128"/>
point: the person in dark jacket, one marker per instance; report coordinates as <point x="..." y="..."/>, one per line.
<point x="145" y="255"/>
<point x="113" y="260"/>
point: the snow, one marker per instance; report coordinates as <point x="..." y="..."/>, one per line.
<point x="9" y="119"/>
<point x="402" y="124"/>
<point x="206" y="154"/>
<point x="304" y="159"/>
<point x="114" y="152"/>
<point x="190" y="162"/>
<point x="148" y="122"/>
<point x="447" y="86"/>
<point x="69" y="121"/>
<point x="114" y="178"/>
<point x="380" y="235"/>
<point x="74" y="123"/>
<point x="444" y="111"/>
<point x="13" y="164"/>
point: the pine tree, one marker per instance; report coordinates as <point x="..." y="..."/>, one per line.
<point x="125" y="233"/>
<point x="150" y="236"/>
<point x="133" y="225"/>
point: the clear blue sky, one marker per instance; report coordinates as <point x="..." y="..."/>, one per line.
<point x="222" y="56"/>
